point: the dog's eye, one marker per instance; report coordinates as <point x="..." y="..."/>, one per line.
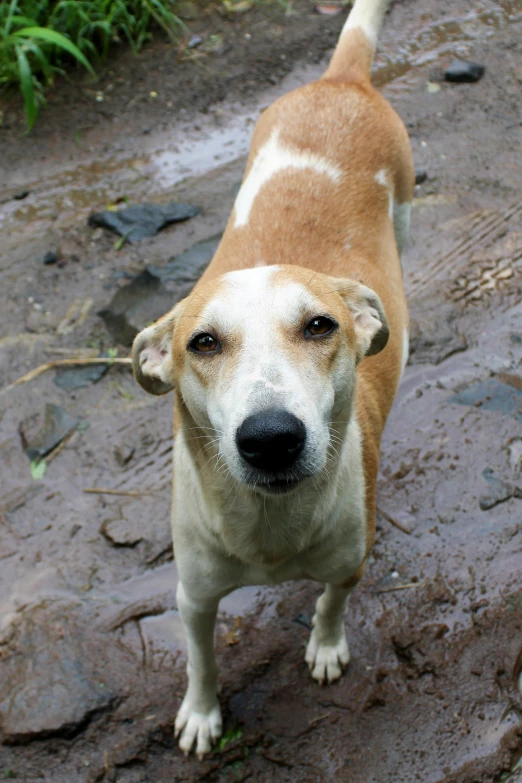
<point x="204" y="343"/>
<point x="319" y="326"/>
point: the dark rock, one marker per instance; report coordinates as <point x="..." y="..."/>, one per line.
<point x="71" y="378"/>
<point x="434" y="334"/>
<point x="304" y="620"/>
<point x="21" y="195"/>
<point x="50" y="258"/>
<point x="421" y="175"/>
<point x="42" y="432"/>
<point x="464" y="71"/>
<point x="189" y="265"/>
<point x="498" y="491"/>
<point x="53" y="686"/>
<point x="136" y="305"/>
<point x="142" y="220"/>
<point x="146" y="297"/>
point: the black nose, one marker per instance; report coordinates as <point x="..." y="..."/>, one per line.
<point x="271" y="440"/>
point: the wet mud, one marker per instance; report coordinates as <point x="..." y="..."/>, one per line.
<point x="92" y="652"/>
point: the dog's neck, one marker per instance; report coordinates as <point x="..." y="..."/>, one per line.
<point x="262" y="529"/>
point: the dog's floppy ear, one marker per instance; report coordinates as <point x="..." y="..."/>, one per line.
<point x="370" y="322"/>
<point x="152" y="359"/>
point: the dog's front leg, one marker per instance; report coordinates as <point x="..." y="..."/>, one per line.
<point x="199" y="717"/>
<point x="327" y="652"/>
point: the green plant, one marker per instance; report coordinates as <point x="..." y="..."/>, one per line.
<point x="38" y="469"/>
<point x="37" y="37"/>
<point x="229" y="736"/>
<point x="29" y="51"/>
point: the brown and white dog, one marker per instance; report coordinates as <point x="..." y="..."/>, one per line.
<point x="285" y="360"/>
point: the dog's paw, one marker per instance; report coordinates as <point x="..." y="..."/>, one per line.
<point x="326" y="661"/>
<point x="197" y="727"/>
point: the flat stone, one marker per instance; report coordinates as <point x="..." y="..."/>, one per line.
<point x="51" y="257"/>
<point x="42" y="432"/>
<point x="136" y="305"/>
<point x="433" y="344"/>
<point x="498" y="491"/>
<point x="146" y="298"/>
<point x="187" y="267"/>
<point x="53" y="688"/>
<point x="71" y="378"/>
<point x="142" y="220"/>
<point x="464" y="71"/>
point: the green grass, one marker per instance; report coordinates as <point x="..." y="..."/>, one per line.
<point x="38" y="38"/>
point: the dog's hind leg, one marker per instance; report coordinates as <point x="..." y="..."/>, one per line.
<point x="199" y="717"/>
<point x="327" y="652"/>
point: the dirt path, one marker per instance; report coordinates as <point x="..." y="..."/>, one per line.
<point x="91" y="655"/>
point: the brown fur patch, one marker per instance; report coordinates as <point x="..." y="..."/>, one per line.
<point x="340" y="229"/>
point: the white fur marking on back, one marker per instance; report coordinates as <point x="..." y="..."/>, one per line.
<point x="271" y="159"/>
<point x="382" y="179"/>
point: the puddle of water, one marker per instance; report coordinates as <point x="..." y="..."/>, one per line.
<point x="444" y="37"/>
<point x="492" y="395"/>
<point x="196" y="159"/>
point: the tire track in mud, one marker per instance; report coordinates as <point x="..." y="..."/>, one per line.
<point x="481" y="231"/>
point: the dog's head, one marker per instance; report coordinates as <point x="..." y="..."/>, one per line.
<point x="265" y="359"/>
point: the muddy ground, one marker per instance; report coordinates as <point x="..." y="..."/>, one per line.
<point x="91" y="651"/>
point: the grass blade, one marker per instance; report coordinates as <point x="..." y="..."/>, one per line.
<point x="51" y="36"/>
<point x="12" y="8"/>
<point x="33" y="48"/>
<point x="26" y="84"/>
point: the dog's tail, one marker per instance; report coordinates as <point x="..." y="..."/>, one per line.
<point x="353" y="56"/>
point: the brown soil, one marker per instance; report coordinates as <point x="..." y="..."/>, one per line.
<point x="91" y="655"/>
<point x="239" y="54"/>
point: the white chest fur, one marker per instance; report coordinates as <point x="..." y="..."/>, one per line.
<point x="234" y="537"/>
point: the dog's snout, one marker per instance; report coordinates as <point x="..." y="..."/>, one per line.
<point x="271" y="440"/>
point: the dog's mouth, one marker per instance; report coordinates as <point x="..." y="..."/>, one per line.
<point x="275" y="485"/>
<point x="279" y="486"/>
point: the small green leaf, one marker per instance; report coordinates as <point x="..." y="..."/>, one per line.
<point x="229" y="736"/>
<point x="38" y="469"/>
<point x="26" y="83"/>
<point x="121" y="241"/>
<point x="51" y="36"/>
